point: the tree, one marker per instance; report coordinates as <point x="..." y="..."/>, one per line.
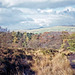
<point x="14" y="37"/>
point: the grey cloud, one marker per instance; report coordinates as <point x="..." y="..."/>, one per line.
<point x="8" y="16"/>
<point x="22" y="18"/>
<point x="41" y="4"/>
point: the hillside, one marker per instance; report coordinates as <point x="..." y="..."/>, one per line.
<point x="56" y="28"/>
<point x="48" y="53"/>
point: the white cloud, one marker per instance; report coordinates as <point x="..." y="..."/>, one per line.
<point x="46" y="11"/>
<point x="22" y="18"/>
<point x="40" y="24"/>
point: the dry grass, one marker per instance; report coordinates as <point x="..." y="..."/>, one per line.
<point x="58" y="66"/>
<point x="61" y="65"/>
<point x="43" y="62"/>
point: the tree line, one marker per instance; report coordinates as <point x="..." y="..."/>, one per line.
<point x="43" y="40"/>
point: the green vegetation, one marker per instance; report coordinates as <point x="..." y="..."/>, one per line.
<point x="71" y="42"/>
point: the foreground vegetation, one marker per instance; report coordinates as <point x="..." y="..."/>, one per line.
<point x="36" y="54"/>
<point x="33" y="62"/>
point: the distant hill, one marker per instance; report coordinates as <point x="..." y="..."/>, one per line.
<point x="3" y="29"/>
<point x="69" y="25"/>
<point x="55" y="28"/>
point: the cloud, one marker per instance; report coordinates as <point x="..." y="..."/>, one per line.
<point x="9" y="3"/>
<point x="28" y="14"/>
<point x="10" y="16"/>
<point x="45" y="11"/>
<point x="37" y="3"/>
<point x="69" y="9"/>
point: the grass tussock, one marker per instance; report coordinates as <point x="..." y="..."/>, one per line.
<point x="59" y="65"/>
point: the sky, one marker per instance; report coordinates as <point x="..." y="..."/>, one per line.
<point x="29" y="14"/>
